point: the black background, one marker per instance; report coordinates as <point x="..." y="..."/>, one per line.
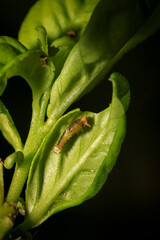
<point x="128" y="206"/>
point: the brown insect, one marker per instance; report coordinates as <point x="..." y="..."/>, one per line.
<point x="72" y="129"/>
<point x="43" y="60"/>
<point x="72" y="34"/>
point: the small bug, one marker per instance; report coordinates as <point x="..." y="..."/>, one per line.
<point x="72" y="129"/>
<point x="43" y="60"/>
<point x="72" y="34"/>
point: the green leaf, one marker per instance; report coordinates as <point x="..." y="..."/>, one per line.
<point x="29" y="66"/>
<point x="64" y="46"/>
<point x="7" y="52"/>
<point x="14" y="43"/>
<point x="114" y="28"/>
<point x="9" y="49"/>
<point x="8" y="128"/>
<point x="57" y="16"/>
<point x="40" y="78"/>
<point x="59" y="181"/>
<point x="3" y="82"/>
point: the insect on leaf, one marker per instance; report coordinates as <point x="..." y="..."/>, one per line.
<point x="58" y="181"/>
<point x="72" y="129"/>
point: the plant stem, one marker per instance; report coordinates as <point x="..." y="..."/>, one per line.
<point x="18" y="182"/>
<point x="7" y="215"/>
<point x="1" y="183"/>
<point x="6" y="225"/>
<point x="37" y="133"/>
<point x="30" y="148"/>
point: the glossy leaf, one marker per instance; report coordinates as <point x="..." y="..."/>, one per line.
<point x="57" y="16"/>
<point x="8" y="128"/>
<point x="59" y="181"/>
<point x="114" y="28"/>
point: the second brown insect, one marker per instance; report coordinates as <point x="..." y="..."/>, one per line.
<point x="72" y="129"/>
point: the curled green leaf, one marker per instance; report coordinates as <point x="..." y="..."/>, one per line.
<point x="58" y="181"/>
<point x="16" y="157"/>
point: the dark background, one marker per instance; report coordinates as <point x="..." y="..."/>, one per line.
<point x="128" y="206"/>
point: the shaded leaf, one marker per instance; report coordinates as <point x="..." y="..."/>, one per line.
<point x="64" y="46"/>
<point x="114" y="28"/>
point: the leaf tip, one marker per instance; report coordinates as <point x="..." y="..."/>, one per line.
<point x="121" y="88"/>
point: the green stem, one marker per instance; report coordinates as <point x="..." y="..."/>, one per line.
<point x="6" y="225"/>
<point x="1" y="183"/>
<point x="7" y="216"/>
<point x="18" y="181"/>
<point x="38" y="131"/>
<point x="21" y="170"/>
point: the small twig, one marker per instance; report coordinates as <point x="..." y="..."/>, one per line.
<point x="1" y="183"/>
